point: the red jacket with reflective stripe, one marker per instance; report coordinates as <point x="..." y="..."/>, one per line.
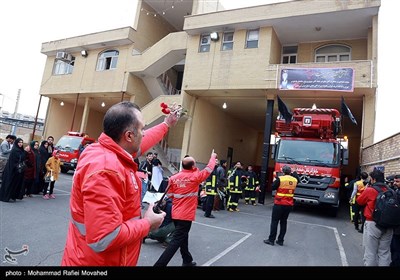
<point x="106" y="229"/>
<point x="184" y="191"/>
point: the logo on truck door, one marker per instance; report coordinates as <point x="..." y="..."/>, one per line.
<point x="307" y="120"/>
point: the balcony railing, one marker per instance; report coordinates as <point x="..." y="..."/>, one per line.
<point x="170" y="89"/>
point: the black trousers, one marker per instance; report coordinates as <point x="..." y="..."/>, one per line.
<point x="358" y="215"/>
<point x="28" y="187"/>
<point x="46" y="189"/>
<point x="280" y="214"/>
<point x="180" y="239"/>
<point x="209" y="205"/>
<point x="395" y="250"/>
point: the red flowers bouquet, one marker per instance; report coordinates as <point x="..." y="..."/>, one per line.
<point x="173" y="109"/>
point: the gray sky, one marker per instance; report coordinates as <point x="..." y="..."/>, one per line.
<point x="26" y="24"/>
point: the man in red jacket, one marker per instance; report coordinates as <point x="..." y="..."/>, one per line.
<point x="376" y="241"/>
<point x="106" y="227"/>
<point x="183" y="190"/>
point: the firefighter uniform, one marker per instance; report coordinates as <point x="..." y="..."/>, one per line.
<point x="211" y="191"/>
<point x="235" y="188"/>
<point x="250" y="189"/>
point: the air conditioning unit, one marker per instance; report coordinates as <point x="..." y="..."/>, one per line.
<point x="69" y="57"/>
<point x="63" y="56"/>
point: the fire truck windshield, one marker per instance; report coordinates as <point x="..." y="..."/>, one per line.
<point x="68" y="143"/>
<point x="308" y="152"/>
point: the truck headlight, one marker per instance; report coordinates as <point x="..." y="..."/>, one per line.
<point x="74" y="160"/>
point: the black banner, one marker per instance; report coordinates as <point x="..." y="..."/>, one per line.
<point x="336" y="79"/>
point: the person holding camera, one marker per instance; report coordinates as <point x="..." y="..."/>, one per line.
<point x="107" y="226"/>
<point x="165" y="232"/>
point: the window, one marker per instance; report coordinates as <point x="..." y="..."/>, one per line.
<point x="289" y="54"/>
<point x="107" y="60"/>
<point x="63" y="67"/>
<point x="252" y="39"/>
<point x="311" y="152"/>
<point x="333" y="53"/>
<point x="205" y="43"/>
<point x="227" y="41"/>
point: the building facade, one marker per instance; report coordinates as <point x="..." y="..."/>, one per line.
<point x="196" y="54"/>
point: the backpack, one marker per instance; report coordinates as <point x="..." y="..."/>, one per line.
<point x="387" y="208"/>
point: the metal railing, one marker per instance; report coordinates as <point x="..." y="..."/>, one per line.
<point x="166" y="82"/>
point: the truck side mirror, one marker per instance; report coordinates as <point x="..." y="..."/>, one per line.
<point x="345" y="157"/>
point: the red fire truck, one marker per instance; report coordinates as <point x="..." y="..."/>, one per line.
<point x="309" y="144"/>
<point x="70" y="147"/>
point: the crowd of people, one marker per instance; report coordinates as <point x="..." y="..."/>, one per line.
<point x="381" y="245"/>
<point x="109" y="223"/>
<point x="26" y="168"/>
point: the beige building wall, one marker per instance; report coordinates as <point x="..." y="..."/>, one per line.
<point x="275" y="45"/>
<point x="368" y="129"/>
<point x="237" y="68"/>
<point x="85" y="78"/>
<point x="138" y="90"/>
<point x="210" y="128"/>
<point x="202" y="7"/>
<point x="233" y="71"/>
<point x="95" y="124"/>
<point x="359" y="49"/>
<point x="61" y="118"/>
<point x="150" y="29"/>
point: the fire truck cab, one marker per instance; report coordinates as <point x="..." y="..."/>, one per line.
<point x="309" y="144"/>
<point x="70" y="147"/>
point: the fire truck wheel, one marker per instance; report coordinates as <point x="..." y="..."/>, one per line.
<point x="333" y="210"/>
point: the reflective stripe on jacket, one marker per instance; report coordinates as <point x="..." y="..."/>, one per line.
<point x="184" y="187"/>
<point x="211" y="184"/>
<point x="235" y="181"/>
<point x="253" y="181"/>
<point x="106" y="229"/>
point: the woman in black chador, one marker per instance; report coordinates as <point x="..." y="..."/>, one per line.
<point x="11" y="186"/>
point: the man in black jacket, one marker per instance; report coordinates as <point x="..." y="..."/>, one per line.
<point x="395" y="243"/>
<point x="146" y="168"/>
